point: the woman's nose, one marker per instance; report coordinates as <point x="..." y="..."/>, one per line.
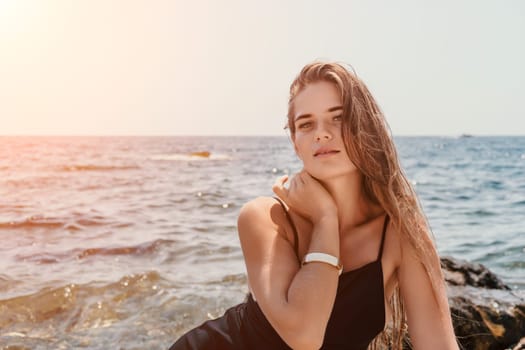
<point x="322" y="133"/>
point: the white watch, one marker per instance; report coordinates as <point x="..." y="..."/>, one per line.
<point x="324" y="258"/>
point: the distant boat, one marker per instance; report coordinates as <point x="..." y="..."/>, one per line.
<point x="464" y="136"/>
<point x="203" y="154"/>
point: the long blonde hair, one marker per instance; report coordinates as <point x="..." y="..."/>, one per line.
<point x="370" y="146"/>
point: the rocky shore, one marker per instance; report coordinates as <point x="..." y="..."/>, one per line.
<point x="487" y="314"/>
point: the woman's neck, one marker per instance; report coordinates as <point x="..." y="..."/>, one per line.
<point x="353" y="209"/>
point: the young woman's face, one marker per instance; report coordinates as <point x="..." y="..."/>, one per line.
<point x="318" y="141"/>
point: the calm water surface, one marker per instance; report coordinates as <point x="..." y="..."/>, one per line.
<point x="125" y="242"/>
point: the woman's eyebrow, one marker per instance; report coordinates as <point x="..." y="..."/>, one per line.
<point x="308" y="115"/>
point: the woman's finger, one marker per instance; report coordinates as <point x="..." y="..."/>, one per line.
<point x="279" y="189"/>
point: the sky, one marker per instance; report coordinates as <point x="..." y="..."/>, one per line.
<point x="126" y="67"/>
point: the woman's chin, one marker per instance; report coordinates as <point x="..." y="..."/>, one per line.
<point x="326" y="176"/>
<point x="322" y="176"/>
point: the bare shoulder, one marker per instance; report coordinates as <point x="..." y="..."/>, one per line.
<point x="401" y="249"/>
<point x="260" y="210"/>
<point x="425" y="243"/>
<point x="257" y="205"/>
<point x="260" y="222"/>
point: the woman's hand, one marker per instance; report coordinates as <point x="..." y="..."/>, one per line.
<point x="306" y="195"/>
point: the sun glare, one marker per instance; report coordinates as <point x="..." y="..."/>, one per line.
<point x="17" y="16"/>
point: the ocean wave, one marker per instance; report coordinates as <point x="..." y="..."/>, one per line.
<point x="195" y="156"/>
<point x="7" y="283"/>
<point x="518" y="203"/>
<point x="94" y="167"/>
<point x="462" y="197"/>
<point x="489" y="243"/>
<point x="33" y="222"/>
<point x="481" y="213"/>
<point x="514" y="265"/>
<point x="137" y="250"/>
<point x="142" y="249"/>
<point x="41" y="221"/>
<point x="493" y="184"/>
<point x="239" y="279"/>
<point x="76" y="307"/>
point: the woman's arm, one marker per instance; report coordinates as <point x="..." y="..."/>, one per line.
<point x="428" y="315"/>
<point x="297" y="301"/>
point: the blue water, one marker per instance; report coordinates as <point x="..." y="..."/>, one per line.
<point x="125" y="242"/>
<point x="473" y="192"/>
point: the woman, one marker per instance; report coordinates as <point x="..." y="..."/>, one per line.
<point x="342" y="259"/>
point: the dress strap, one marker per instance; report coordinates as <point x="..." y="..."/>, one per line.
<point x="296" y="236"/>
<point x="387" y="218"/>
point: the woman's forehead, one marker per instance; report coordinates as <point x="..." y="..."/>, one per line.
<point x="316" y="98"/>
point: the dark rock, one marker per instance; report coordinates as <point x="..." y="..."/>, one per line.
<point x="487" y="318"/>
<point x="463" y="273"/>
<point x="486" y="313"/>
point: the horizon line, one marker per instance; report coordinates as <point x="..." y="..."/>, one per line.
<point x="465" y="135"/>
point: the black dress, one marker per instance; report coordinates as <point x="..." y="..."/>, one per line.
<point x="357" y="317"/>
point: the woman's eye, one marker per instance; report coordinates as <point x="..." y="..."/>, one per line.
<point x="304" y="125"/>
<point x="338" y="117"/>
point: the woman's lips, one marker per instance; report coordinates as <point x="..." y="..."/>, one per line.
<point x="326" y="154"/>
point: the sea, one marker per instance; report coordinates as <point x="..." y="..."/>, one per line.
<point x="127" y="242"/>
